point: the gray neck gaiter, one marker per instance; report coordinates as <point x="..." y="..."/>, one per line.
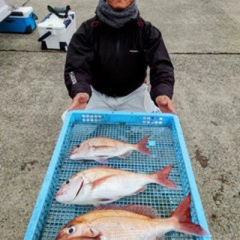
<point x="116" y="19"/>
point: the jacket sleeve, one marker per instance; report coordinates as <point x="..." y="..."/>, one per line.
<point x="77" y="73"/>
<point x="161" y="68"/>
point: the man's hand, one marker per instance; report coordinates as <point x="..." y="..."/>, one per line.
<point x="79" y="102"/>
<point x="165" y="104"/>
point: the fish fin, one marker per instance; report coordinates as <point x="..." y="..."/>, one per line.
<point x="102" y="201"/>
<point x="161" y="177"/>
<point x="100" y="181"/>
<point x="139" y="190"/>
<point x="127" y="154"/>
<point x="102" y="160"/>
<point x="183" y="224"/>
<point x="142" y="210"/>
<point x="85" y="180"/>
<point x="96" y="205"/>
<point x="85" y="146"/>
<point x="141" y="146"/>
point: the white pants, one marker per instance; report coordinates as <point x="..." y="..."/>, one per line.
<point x="137" y="101"/>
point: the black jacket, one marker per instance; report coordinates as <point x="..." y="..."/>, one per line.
<point x="114" y="61"/>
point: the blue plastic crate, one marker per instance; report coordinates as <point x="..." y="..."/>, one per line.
<point x="21" y="20"/>
<point x="166" y="143"/>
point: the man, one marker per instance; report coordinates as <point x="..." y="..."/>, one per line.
<point x="107" y="60"/>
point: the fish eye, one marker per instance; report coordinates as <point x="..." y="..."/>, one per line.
<point x="67" y="182"/>
<point x="78" y="146"/>
<point x="72" y="229"/>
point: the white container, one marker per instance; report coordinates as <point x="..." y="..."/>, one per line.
<point x="5" y="9"/>
<point x="55" y="32"/>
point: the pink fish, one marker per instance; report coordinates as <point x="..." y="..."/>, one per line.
<point x="102" y="185"/>
<point x="102" y="148"/>
<point x="131" y="222"/>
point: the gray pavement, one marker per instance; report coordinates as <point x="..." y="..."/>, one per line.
<point x="203" y="39"/>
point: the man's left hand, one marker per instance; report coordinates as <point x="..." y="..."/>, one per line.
<point x="165" y="104"/>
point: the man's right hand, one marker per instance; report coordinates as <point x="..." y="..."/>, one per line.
<point x="79" y="102"/>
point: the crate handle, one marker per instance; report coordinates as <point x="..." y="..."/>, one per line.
<point x="44" y="36"/>
<point x="60" y="12"/>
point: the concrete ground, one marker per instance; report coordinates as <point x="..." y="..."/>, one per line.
<point x="203" y="39"/>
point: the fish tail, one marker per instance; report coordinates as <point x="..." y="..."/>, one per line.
<point x="161" y="177"/>
<point x="183" y="223"/>
<point x="141" y="146"/>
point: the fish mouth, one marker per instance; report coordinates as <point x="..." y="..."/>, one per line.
<point x="61" y="236"/>
<point x="74" y="156"/>
<point x="58" y="194"/>
<point x="74" y="151"/>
